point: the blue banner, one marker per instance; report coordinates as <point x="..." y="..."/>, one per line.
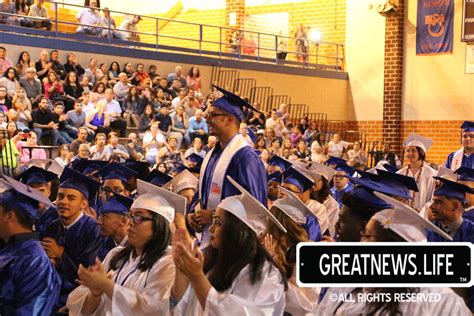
<point x="434" y="27"/>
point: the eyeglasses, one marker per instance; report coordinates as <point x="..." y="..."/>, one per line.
<point x="138" y="219"/>
<point x="212" y="115"/>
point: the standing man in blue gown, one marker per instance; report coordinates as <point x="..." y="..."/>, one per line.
<point x="464" y="157"/>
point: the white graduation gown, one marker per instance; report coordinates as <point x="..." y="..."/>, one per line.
<point x="426" y="185"/>
<point x="449" y="304"/>
<point x="300" y="300"/>
<point x="332" y="209"/>
<point x="319" y="210"/>
<point x="135" y="293"/>
<point x="265" y="297"/>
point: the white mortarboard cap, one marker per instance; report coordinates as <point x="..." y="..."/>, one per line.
<point x="418" y="141"/>
<point x="326" y="171"/>
<point x="405" y="221"/>
<point x="40" y="163"/>
<point x="248" y="209"/>
<point x="292" y="206"/>
<point x="56" y="168"/>
<point x="158" y="200"/>
<point x="446" y="173"/>
<point x="184" y="180"/>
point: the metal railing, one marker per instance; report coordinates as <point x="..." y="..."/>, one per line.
<point x="203" y="39"/>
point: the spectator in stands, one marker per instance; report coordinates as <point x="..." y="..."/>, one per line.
<point x="86" y="85"/>
<point x="303" y="124"/>
<point x="43" y="65"/>
<point x="24" y="62"/>
<point x="171" y="156"/>
<point x="89" y="19"/>
<point x="113" y="73"/>
<point x="302" y="151"/>
<point x="121" y="88"/>
<point x="164" y="119"/>
<point x="99" y="119"/>
<point x="19" y="114"/>
<point x="129" y="28"/>
<point x="31" y="85"/>
<point x="115" y="113"/>
<point x="10" y="81"/>
<point x="106" y="21"/>
<point x="161" y="167"/>
<point x="92" y="72"/>
<point x="152" y="142"/>
<point x="38" y="11"/>
<point x="152" y="72"/>
<point x="5" y="100"/>
<point x="318" y="149"/>
<point x="301" y="43"/>
<point x="283" y="113"/>
<point x="256" y="119"/>
<point x="357" y="157"/>
<point x="100" y="150"/>
<point x="5" y="62"/>
<point x="64" y="156"/>
<point x="179" y="98"/>
<point x="53" y="87"/>
<point x="83" y="152"/>
<point x="176" y="88"/>
<point x="73" y="65"/>
<point x="234" y="42"/>
<point x="43" y="122"/>
<point x="296" y="136"/>
<point x="163" y="85"/>
<point x="161" y="99"/>
<point x="177" y="74"/>
<point x="211" y="143"/>
<point x="269" y="136"/>
<point x="135" y="151"/>
<point x="133" y="105"/>
<point x="180" y="125"/>
<point x="128" y="70"/>
<point x="282" y="48"/>
<point x="196" y="148"/>
<point x="146" y="119"/>
<point x="389" y="156"/>
<point x="98" y="92"/>
<point x="66" y="135"/>
<point x="140" y="75"/>
<point x="22" y="8"/>
<point x="276" y="123"/>
<point x="82" y="135"/>
<point x="7" y="6"/>
<point x="87" y="106"/>
<point x="148" y="97"/>
<point x="248" y="44"/>
<point x="286" y="145"/>
<point x="260" y="143"/>
<point x="3" y="121"/>
<point x="36" y="153"/>
<point x="311" y="132"/>
<point x="56" y="65"/>
<point x="119" y="152"/>
<point x="191" y="105"/>
<point x="337" y="146"/>
<point x="198" y="126"/>
<point x="275" y="147"/>
<point x="193" y="80"/>
<point x="20" y="94"/>
<point x="72" y="89"/>
<point x="243" y="130"/>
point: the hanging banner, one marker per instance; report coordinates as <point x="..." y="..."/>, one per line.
<point x="434" y="27"/>
<point x="467" y="34"/>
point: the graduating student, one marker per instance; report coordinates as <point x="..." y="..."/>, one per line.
<point x="113" y="222"/>
<point x="184" y="184"/>
<point x="464" y="157"/>
<point x="29" y="284"/>
<point x="158" y="178"/>
<point x="400" y="223"/>
<point x="416" y="147"/>
<point x="74" y="238"/>
<point x="115" y="177"/>
<point x="136" y="279"/>
<point x="466" y="177"/>
<point x="274" y="181"/>
<point x="238" y="276"/>
<point x="341" y="184"/>
<point x="276" y="163"/>
<point x="298" y="183"/>
<point x="40" y="179"/>
<point x="292" y="213"/>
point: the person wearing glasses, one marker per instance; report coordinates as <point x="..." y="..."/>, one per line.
<point x="464" y="157"/>
<point x="232" y="156"/>
<point x="135" y="279"/>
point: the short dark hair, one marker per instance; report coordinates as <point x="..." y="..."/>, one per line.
<point x="23" y="219"/>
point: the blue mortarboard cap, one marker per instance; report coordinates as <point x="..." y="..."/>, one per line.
<point x="468" y="126"/>
<point x="35" y="175"/>
<point x="117" y="171"/>
<point x="334" y="161"/>
<point x="117" y="204"/>
<point x="232" y="103"/>
<point x="293" y="176"/>
<point x="390" y="168"/>
<point x="86" y="166"/>
<point x="277" y="161"/>
<point x="195" y="158"/>
<point x="399" y="180"/>
<point x="376" y="184"/>
<point x="340" y="165"/>
<point x="71" y="179"/>
<point x="465" y="174"/>
<point x="251" y="134"/>
<point x="452" y="190"/>
<point x="21" y="197"/>
<point x="158" y="178"/>
<point x="258" y="152"/>
<point x="142" y="167"/>
<point x="366" y="195"/>
<point x="277" y="176"/>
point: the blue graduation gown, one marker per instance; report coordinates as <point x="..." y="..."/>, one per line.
<point x="29" y="284"/>
<point x="45" y="219"/>
<point x="467" y="161"/>
<point x="106" y="244"/>
<point x="469" y="215"/>
<point x="81" y="244"/>
<point x="464" y="233"/>
<point x="245" y="167"/>
<point x="337" y="195"/>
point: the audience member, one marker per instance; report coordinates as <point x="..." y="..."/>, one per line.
<point x="99" y="119"/>
<point x="128" y="29"/>
<point x="10" y="81"/>
<point x="146" y="119"/>
<point x="43" y="65"/>
<point x="164" y="119"/>
<point x="5" y="62"/>
<point x="133" y="105"/>
<point x="135" y="151"/>
<point x="100" y="150"/>
<point x="73" y="65"/>
<point x="119" y="152"/>
<point x="152" y="142"/>
<point x="31" y="85"/>
<point x="24" y="62"/>
<point x="82" y="135"/>
<point x="198" y="126"/>
<point x="177" y="75"/>
<point x="89" y="19"/>
<point x="43" y="122"/>
<point x="38" y="11"/>
<point x="180" y="125"/>
<point x="115" y="112"/>
<point x="56" y="65"/>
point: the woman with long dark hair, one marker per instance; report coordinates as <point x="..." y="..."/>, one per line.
<point x="135" y="279"/>
<point x="24" y="62"/>
<point x="10" y="81"/>
<point x="237" y="276"/>
<point x="398" y="224"/>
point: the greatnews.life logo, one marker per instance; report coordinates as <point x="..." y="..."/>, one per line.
<point x="389" y="264"/>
